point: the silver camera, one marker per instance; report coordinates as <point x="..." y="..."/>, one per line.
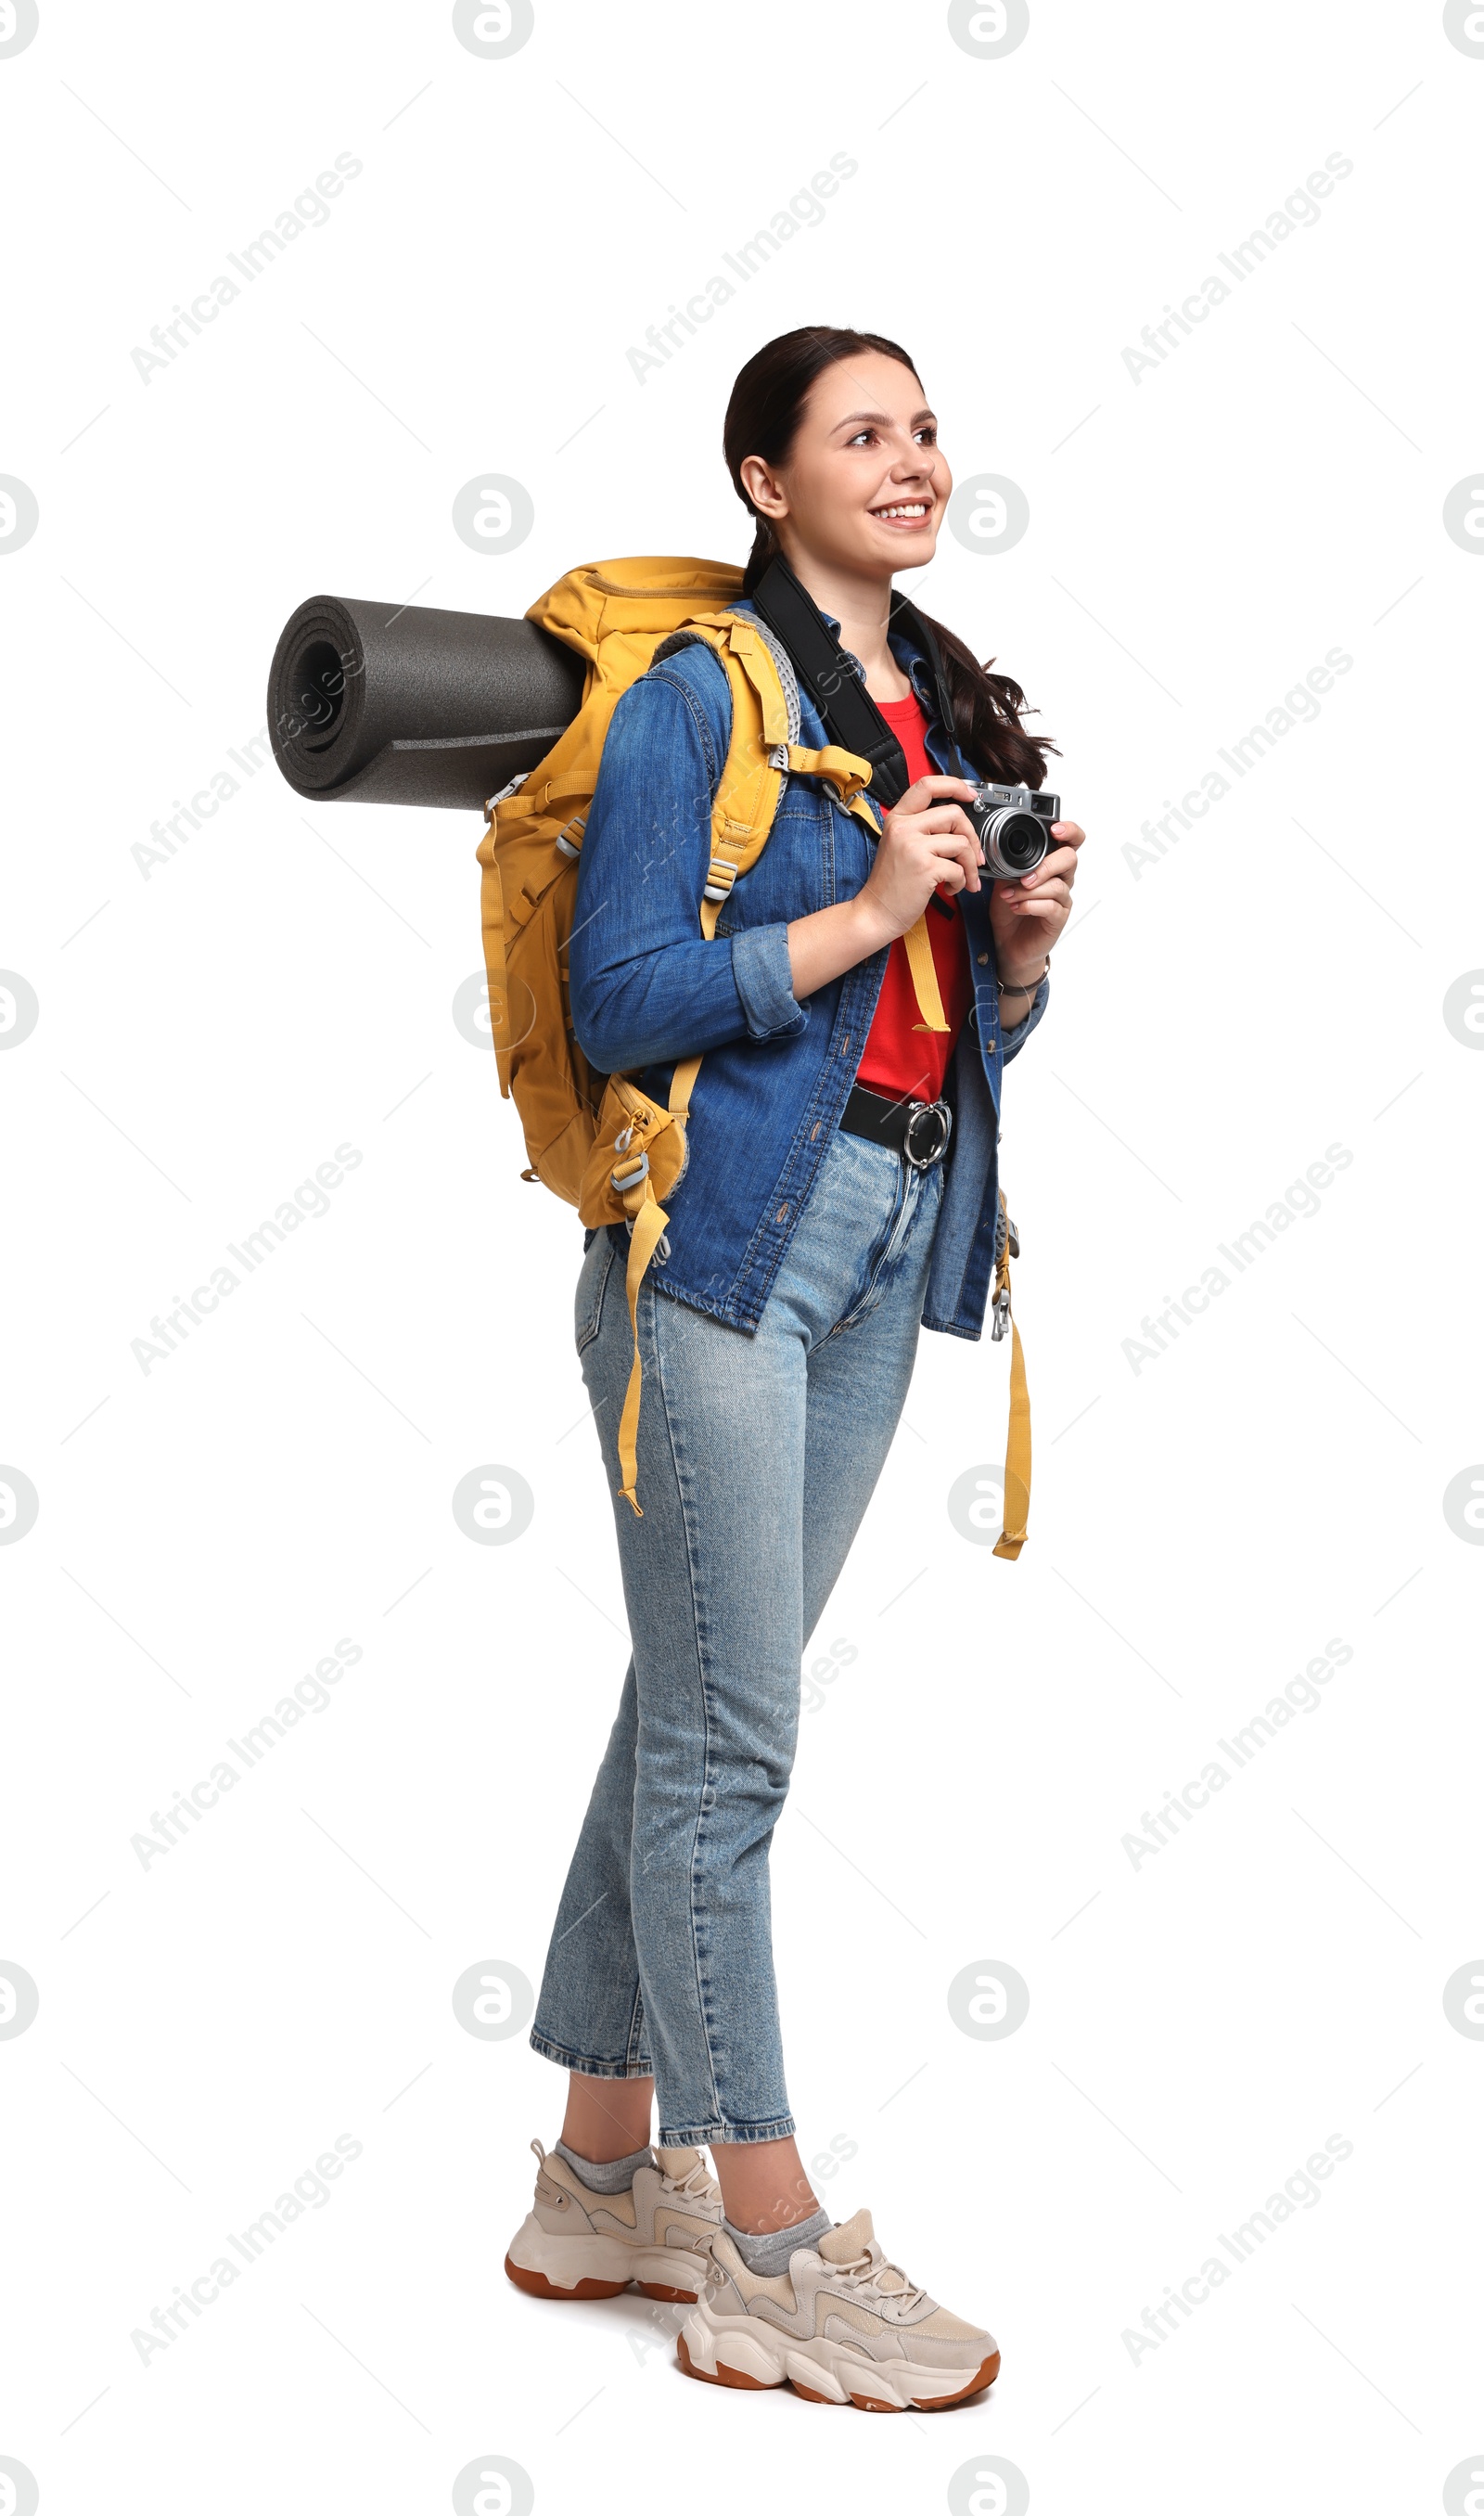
<point x="1014" y="827"/>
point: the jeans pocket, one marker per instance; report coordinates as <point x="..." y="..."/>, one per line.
<point x="592" y="1283"/>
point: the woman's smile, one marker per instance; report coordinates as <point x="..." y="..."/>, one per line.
<point x="906" y="515"/>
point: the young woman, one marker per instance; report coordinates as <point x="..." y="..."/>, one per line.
<point x="840" y="1191"/>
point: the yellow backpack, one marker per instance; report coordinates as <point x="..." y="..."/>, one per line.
<point x="600" y="1142"/>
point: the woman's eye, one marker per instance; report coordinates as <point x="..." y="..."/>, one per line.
<point x="862" y="436"/>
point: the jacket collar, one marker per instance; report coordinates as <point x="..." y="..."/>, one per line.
<point x="912" y="661"/>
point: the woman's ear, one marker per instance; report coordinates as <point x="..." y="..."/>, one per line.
<point x="763" y="487"/>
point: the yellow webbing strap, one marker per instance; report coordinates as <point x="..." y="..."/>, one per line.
<point x="492" y="921"/>
<point x="1017" y="1456"/>
<point x="845" y="770"/>
<point x="756" y="659"/>
<point x="924" y="978"/>
<point x="650" y="1219"/>
<point x="1018" y="1443"/>
<point x="648" y="1228"/>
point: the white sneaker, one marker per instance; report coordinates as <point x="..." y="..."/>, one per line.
<point x="840" y="2326"/>
<point x="579" y="2244"/>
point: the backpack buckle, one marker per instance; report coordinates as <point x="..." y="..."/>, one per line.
<point x="1002" y="1315"/>
<point x="491" y="801"/>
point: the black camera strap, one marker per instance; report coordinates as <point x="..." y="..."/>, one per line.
<point x="833" y="682"/>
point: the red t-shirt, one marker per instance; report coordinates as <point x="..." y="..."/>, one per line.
<point x="898" y="1061"/>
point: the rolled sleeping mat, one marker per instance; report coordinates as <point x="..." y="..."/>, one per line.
<point x="382" y="704"/>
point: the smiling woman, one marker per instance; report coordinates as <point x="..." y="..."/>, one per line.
<point x="838" y="1053"/>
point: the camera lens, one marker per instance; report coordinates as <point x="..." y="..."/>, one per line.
<point x="1020" y="841"/>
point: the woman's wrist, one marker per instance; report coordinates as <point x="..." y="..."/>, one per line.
<point x="1022" y="985"/>
<point x="871" y="928"/>
<point x="828" y="942"/>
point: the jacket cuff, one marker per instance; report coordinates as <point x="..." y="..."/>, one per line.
<point x="1014" y="1039"/>
<point x="759" y="963"/>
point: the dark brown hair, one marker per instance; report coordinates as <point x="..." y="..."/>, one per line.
<point x="763" y="418"/>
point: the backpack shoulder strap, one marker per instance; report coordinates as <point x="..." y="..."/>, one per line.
<point x="851" y="715"/>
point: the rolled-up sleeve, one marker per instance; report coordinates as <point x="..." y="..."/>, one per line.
<point x="1012" y="1038"/>
<point x="647" y="986"/>
<point x="764" y="983"/>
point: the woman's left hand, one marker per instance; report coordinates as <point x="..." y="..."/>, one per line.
<point x="1027" y="916"/>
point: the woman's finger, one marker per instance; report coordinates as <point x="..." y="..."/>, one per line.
<point x="964" y="859"/>
<point x="1016" y="894"/>
<point x="936" y="786"/>
<point x="1024" y="890"/>
<point x="1041" y="904"/>
<point x="935" y="817"/>
<point x="951" y="872"/>
<point x="1061" y="862"/>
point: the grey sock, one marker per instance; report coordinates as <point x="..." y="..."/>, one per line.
<point x="768" y="2254"/>
<point x="612" y="2175"/>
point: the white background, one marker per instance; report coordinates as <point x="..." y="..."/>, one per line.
<point x="211" y="1029"/>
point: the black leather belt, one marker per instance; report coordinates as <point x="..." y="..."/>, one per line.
<point x="918" y="1130"/>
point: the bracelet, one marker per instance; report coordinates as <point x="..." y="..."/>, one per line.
<point x="1008" y="989"/>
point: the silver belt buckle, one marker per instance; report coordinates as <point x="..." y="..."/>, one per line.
<point x="941" y="1116"/>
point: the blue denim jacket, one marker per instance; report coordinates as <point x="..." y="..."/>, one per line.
<point x="649" y="989"/>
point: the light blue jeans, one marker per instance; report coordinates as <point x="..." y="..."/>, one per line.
<point x="758" y="1455"/>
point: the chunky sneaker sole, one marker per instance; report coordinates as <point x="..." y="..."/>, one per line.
<point x="721" y="2351"/>
<point x="595" y="2267"/>
<point x="843" y="2325"/>
<point x="654" y="2236"/>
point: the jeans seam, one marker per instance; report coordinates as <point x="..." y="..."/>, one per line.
<point x="589" y="2065"/>
<point x="703" y="2005"/>
<point x="637" y="2014"/>
<point x="594" y="1322"/>
<point x="691" y="2135"/>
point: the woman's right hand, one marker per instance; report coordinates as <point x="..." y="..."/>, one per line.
<point x="929" y="843"/>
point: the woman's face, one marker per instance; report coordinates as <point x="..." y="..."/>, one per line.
<point x="865" y="484"/>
